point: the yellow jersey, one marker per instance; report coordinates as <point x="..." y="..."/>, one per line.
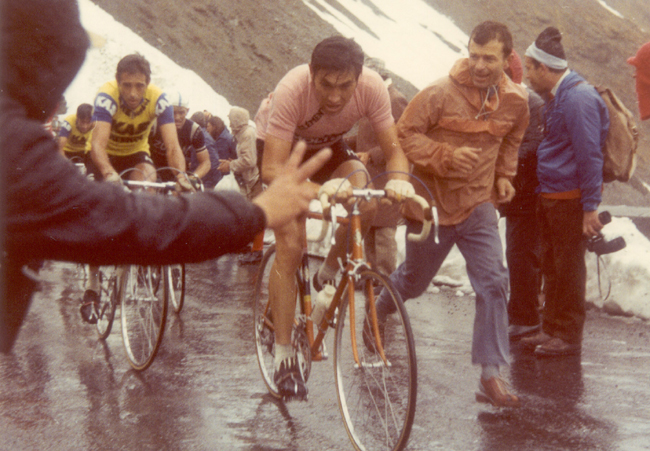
<point x="130" y="128"/>
<point x="77" y="142"/>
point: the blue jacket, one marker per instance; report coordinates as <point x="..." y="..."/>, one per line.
<point x="570" y="156"/>
<point x="223" y="148"/>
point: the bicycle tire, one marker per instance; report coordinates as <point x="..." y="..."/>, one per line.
<point x="175" y="277"/>
<point x="377" y="402"/>
<point x="264" y="335"/>
<point x="107" y="300"/>
<point x="143" y="300"/>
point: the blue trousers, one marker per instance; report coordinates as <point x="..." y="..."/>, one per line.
<point x="478" y="240"/>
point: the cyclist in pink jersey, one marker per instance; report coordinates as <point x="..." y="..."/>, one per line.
<point x="319" y="103"/>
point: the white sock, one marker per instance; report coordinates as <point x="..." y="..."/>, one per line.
<point x="489" y="371"/>
<point x="326" y="273"/>
<point x="282" y="352"/>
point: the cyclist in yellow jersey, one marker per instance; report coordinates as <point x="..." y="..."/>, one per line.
<point x="75" y="133"/>
<point x="125" y="110"/>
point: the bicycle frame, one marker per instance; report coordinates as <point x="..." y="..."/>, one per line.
<point x="355" y="262"/>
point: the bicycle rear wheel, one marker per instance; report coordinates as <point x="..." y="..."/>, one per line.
<point x="376" y="399"/>
<point x="107" y="300"/>
<point x="143" y="312"/>
<point x="175" y="277"/>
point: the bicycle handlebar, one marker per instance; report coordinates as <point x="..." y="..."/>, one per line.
<point x="165" y="186"/>
<point x="430" y="214"/>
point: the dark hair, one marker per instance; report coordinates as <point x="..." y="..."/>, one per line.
<point x="133" y="64"/>
<point x="338" y="54"/>
<point x="490" y="30"/>
<point x="85" y="111"/>
<point x="550" y="41"/>
<point x="218" y="125"/>
<point x="199" y="118"/>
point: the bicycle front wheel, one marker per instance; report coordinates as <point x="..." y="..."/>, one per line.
<point x="175" y="278"/>
<point x="107" y="300"/>
<point x="143" y="312"/>
<point x="264" y="332"/>
<point x="376" y="397"/>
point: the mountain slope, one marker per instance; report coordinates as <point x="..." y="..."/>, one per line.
<point x="243" y="47"/>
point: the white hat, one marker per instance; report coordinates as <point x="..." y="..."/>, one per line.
<point x="176" y="99"/>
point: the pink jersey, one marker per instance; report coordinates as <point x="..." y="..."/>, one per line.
<point x="291" y="112"/>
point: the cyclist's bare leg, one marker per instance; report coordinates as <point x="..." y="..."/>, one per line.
<point x="282" y="281"/>
<point x="368" y="210"/>
<point x="143" y="172"/>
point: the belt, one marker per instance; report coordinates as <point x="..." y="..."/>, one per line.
<point x="564" y="195"/>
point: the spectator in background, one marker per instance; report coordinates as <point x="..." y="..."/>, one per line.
<point x="225" y="142"/>
<point x="213" y="176"/>
<point x="522" y="233"/>
<point x="246" y="166"/>
<point x="641" y="61"/>
<point x="570" y="174"/>
<point x="379" y="242"/>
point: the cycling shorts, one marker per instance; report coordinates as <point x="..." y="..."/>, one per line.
<point x="340" y="154"/>
<point x="122" y="163"/>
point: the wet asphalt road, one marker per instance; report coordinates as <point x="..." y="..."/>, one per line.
<point x="63" y="389"/>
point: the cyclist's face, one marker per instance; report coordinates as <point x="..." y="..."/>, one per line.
<point x="132" y="88"/>
<point x="486" y="63"/>
<point x="180" y="113"/>
<point x="334" y="89"/>
<point x="84" y="125"/>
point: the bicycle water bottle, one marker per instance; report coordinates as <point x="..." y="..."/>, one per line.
<point x="322" y="303"/>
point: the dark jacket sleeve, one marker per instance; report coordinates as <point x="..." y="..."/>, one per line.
<point x="525" y="182"/>
<point x="53" y="212"/>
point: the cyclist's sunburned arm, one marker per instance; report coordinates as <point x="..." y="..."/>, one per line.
<point x="275" y="156"/>
<point x="175" y="158"/>
<point x="395" y="158"/>
<point x="99" y="142"/>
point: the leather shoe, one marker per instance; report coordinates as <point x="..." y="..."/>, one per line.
<point x="516" y="332"/>
<point x="495" y="391"/>
<point x="557" y="347"/>
<point x="538" y="339"/>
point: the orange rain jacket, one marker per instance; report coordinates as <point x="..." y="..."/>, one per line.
<point x="449" y="114"/>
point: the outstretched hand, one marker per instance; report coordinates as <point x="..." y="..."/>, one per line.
<point x="289" y="195"/>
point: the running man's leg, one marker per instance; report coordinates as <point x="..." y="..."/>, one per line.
<point x="422" y="262"/>
<point x="480" y="244"/>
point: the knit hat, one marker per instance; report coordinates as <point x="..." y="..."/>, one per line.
<point x="515" y="69"/>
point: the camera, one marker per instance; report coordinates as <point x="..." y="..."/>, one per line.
<point x="598" y="245"/>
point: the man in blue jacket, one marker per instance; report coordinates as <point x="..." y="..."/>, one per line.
<point x="569" y="169"/>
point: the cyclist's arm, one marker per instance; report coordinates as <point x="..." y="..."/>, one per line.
<point x="395" y="158"/>
<point x="175" y="158"/>
<point x="99" y="142"/>
<point x="276" y="154"/>
<point x="203" y="158"/>
<point x="62" y="142"/>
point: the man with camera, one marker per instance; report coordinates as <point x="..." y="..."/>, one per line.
<point x="569" y="169"/>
